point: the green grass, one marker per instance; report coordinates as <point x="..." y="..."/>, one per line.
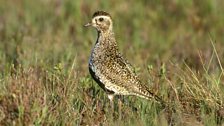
<point x="175" y="46"/>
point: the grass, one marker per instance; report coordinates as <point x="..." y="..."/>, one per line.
<point x="176" y="48"/>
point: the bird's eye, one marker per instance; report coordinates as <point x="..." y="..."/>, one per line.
<point x="101" y="19"/>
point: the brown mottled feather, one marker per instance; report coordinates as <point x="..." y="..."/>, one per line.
<point x="100" y="13"/>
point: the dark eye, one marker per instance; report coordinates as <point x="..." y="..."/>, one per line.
<point x="101" y="19"/>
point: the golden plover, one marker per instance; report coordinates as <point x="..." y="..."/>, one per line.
<point x="108" y="67"/>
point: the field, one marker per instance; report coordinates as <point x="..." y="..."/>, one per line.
<point x="175" y="46"/>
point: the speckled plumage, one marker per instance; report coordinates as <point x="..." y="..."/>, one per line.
<point x="108" y="67"/>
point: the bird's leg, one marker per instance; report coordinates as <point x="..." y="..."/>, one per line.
<point x="111" y="97"/>
<point x="119" y="107"/>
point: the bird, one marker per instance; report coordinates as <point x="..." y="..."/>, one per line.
<point x="108" y="67"/>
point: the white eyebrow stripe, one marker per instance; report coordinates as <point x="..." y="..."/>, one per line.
<point x="106" y="17"/>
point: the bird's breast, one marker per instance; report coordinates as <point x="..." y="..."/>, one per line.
<point x="94" y="59"/>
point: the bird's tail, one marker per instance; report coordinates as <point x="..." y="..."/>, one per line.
<point x="157" y="98"/>
<point x="149" y="95"/>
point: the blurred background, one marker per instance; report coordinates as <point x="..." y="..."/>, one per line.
<point x="45" y="42"/>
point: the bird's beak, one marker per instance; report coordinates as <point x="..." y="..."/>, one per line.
<point x="88" y="24"/>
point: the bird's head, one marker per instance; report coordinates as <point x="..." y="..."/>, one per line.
<point x="102" y="21"/>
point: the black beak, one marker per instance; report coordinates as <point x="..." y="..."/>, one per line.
<point x="87" y="25"/>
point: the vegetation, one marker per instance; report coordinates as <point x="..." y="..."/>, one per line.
<point x="175" y="46"/>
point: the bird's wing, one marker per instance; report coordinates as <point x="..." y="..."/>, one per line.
<point x="119" y="72"/>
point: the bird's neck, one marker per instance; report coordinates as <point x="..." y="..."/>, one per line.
<point x="106" y="40"/>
